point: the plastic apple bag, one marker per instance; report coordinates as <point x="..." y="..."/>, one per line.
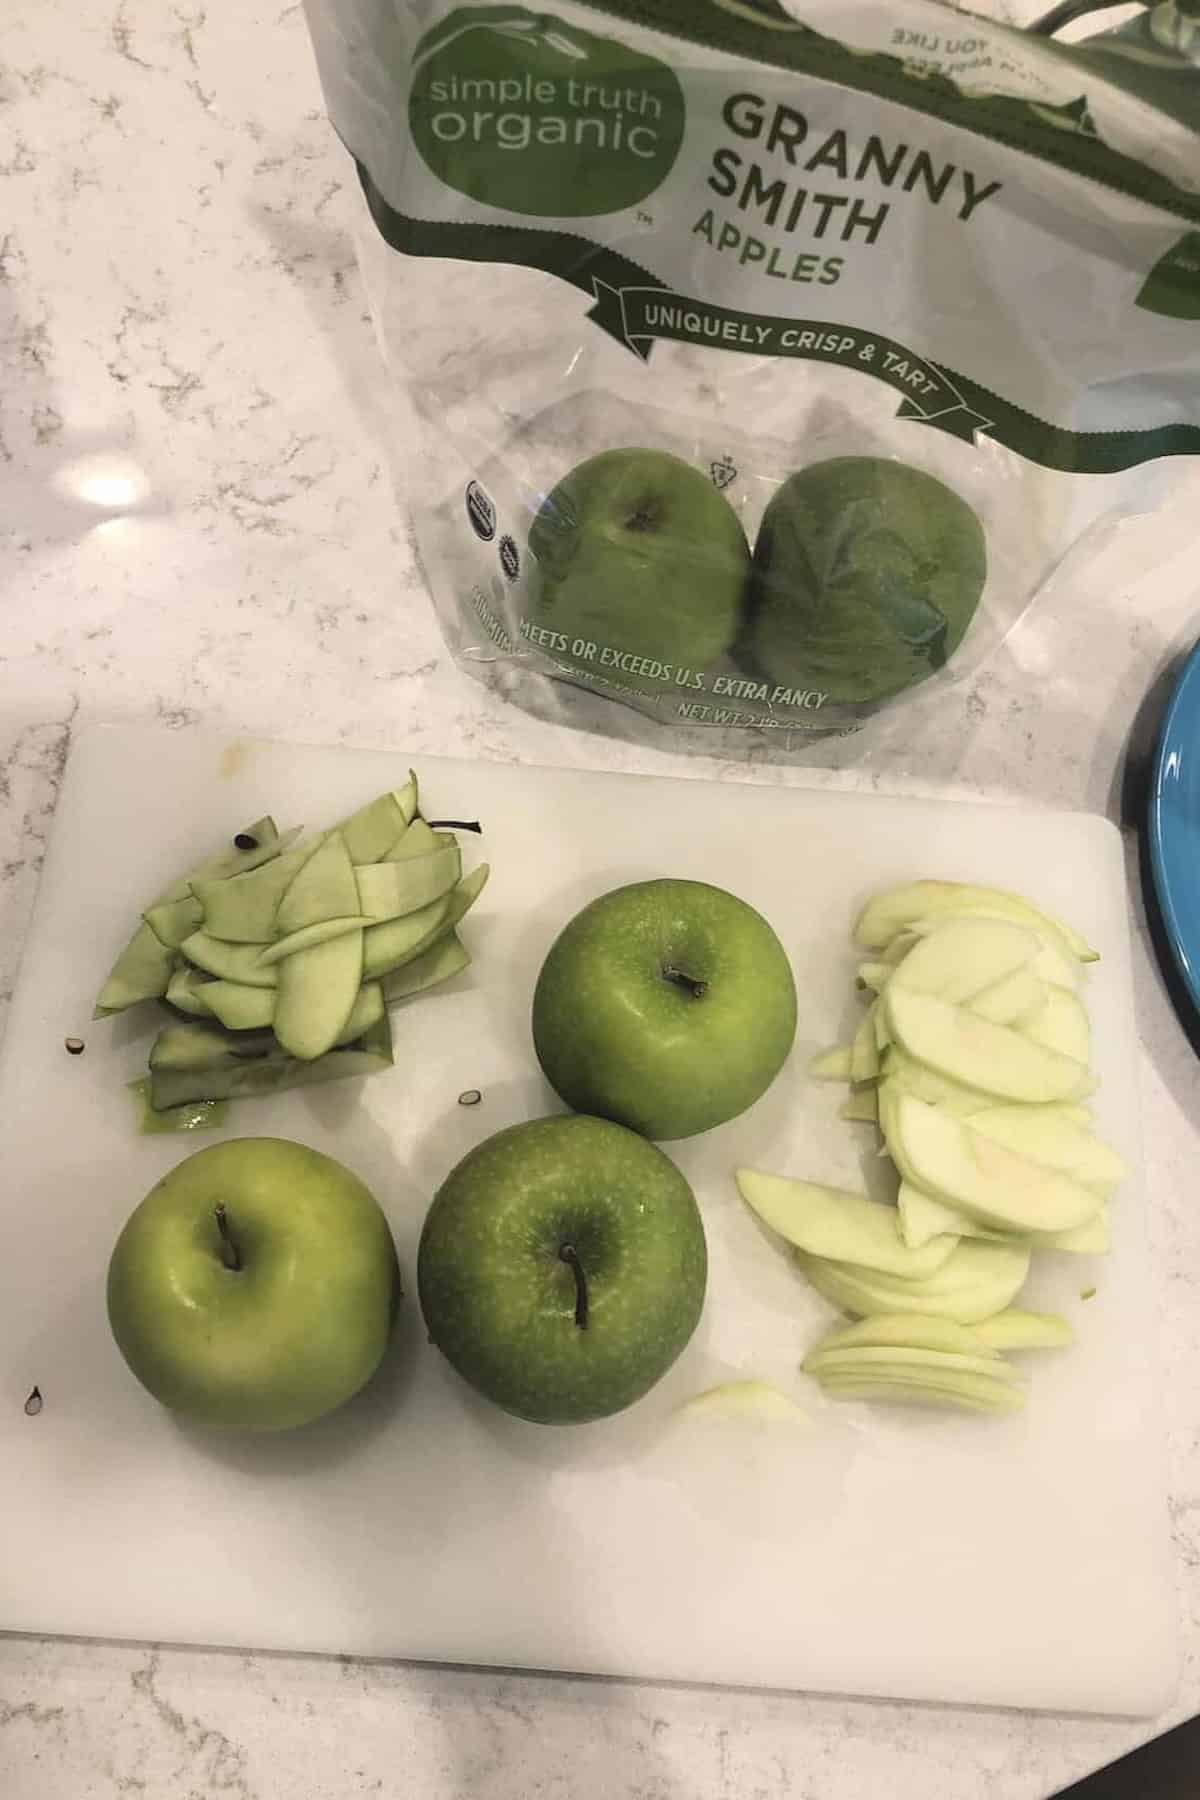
<point x="757" y="361"/>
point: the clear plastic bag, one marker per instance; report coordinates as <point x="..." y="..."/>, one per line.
<point x="870" y="312"/>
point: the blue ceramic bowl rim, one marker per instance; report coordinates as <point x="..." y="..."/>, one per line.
<point x="1174" y="838"/>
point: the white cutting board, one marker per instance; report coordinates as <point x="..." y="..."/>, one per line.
<point x="1019" y="1562"/>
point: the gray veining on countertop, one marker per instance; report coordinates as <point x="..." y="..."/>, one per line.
<point x="197" y="524"/>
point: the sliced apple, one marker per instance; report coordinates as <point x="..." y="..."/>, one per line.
<point x="962" y="1391"/>
<point x="874" y="976"/>
<point x="913" y="1331"/>
<point x="979" y="1054"/>
<point x="861" y="1108"/>
<point x="1002" y="1188"/>
<point x="1015" y="1000"/>
<point x="976" y="1280"/>
<point x="898" y="908"/>
<point x="1014" y="1329"/>
<point x="903" y="1071"/>
<point x="1052" y="963"/>
<point x="829" y="1222"/>
<point x="864" y="1051"/>
<point x="758" y="1400"/>
<point x="1047" y="1138"/>
<point x="961" y="957"/>
<point x="904" y="1360"/>
<point x="831" y="1065"/>
<point x="1062" y="1025"/>
<point x="923" y="1216"/>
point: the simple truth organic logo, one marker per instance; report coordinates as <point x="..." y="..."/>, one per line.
<point x="520" y="111"/>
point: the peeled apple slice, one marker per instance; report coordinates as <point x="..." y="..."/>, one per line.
<point x="1047" y="1138"/>
<point x="949" y="1158"/>
<point x="861" y="1108"/>
<point x="744" y="1400"/>
<point x="1017" y="1330"/>
<point x="1052" y="963"/>
<point x="831" y="1065"/>
<point x="971" y="1050"/>
<point x="1013" y="1001"/>
<point x="874" y="975"/>
<point x="828" y="1222"/>
<point x="962" y="957"/>
<point x="864" y="1051"/>
<point x="966" y="1392"/>
<point x="976" y="1280"/>
<point x="912" y="1331"/>
<point x="903" y="1360"/>
<point x="1062" y="1025"/>
<point x="897" y="908"/>
<point x="924" y="1216"/>
<point x="901" y="1071"/>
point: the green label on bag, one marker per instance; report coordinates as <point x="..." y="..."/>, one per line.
<point x="521" y="111"/>
<point x="1173" y="285"/>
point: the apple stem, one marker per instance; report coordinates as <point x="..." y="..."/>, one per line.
<point x="229" y="1251"/>
<point x="570" y="1256"/>
<point x="454" y="825"/>
<point x="697" y="989"/>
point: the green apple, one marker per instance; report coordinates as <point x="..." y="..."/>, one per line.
<point x="666" y="1005"/>
<point x="867" y="575"/>
<point x="637" y="553"/>
<point x="562" y="1268"/>
<point x="254" y="1286"/>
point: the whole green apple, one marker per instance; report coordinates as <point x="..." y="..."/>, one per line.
<point x="666" y="1005"/>
<point x="867" y="573"/>
<point x="562" y="1268"/>
<point x="637" y="555"/>
<point x="254" y="1286"/>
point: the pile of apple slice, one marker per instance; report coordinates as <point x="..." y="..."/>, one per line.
<point x="285" y="956"/>
<point x="972" y="1057"/>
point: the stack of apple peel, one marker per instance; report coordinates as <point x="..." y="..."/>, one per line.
<point x="972" y="1058"/>
<point x="284" y="956"/>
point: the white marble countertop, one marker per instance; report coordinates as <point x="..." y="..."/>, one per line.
<point x="180" y="310"/>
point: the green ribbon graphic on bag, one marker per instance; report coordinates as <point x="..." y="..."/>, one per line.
<point x="634" y="309"/>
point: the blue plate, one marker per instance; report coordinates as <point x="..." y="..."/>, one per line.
<point x="1174" y="824"/>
